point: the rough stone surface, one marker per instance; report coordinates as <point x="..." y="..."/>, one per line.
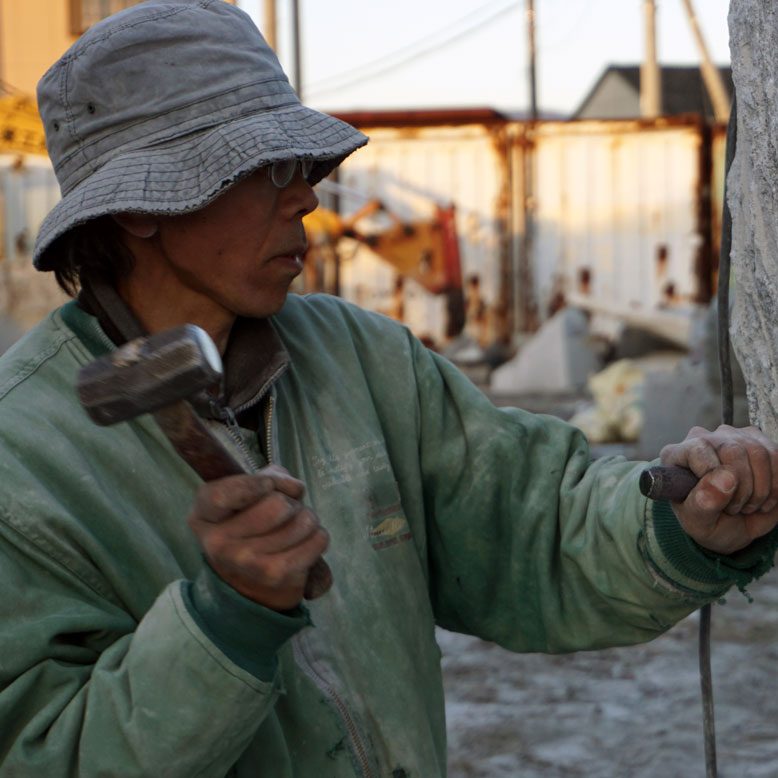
<point x="753" y="201"/>
<point x="674" y="401"/>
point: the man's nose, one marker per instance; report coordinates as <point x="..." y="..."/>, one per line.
<point x="299" y="195"/>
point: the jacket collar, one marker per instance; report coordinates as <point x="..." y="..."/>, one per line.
<point x="254" y="358"/>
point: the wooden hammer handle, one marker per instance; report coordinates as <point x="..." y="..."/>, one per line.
<point x="206" y="455"/>
<point x="195" y="443"/>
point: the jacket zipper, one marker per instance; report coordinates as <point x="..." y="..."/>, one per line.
<point x="358" y="747"/>
<point x="271" y="401"/>
<point x="227" y="417"/>
<point x="234" y="430"/>
<point x="305" y="664"/>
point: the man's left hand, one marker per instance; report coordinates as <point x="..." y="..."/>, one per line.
<point x="736" y="499"/>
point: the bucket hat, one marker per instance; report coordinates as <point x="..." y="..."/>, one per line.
<point x="159" y="108"/>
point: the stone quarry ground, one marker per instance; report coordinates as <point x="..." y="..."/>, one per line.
<point x="622" y="713"/>
<point x="627" y="712"/>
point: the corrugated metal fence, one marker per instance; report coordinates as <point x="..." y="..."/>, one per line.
<point x="624" y="211"/>
<point x="627" y="212"/>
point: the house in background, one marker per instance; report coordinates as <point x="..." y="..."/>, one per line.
<point x="616" y="94"/>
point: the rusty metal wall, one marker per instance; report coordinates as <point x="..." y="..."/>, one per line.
<point x="625" y="211"/>
<point x="623" y="203"/>
<point x="617" y="211"/>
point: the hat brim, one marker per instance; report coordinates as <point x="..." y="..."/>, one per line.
<point x="186" y="173"/>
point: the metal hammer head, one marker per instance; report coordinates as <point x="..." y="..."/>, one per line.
<point x="149" y="373"/>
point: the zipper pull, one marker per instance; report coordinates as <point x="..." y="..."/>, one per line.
<point x="224" y="414"/>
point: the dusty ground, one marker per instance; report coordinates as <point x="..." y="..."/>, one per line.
<point x="621" y="713"/>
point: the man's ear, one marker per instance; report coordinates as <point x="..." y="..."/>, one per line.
<point x="141" y="225"/>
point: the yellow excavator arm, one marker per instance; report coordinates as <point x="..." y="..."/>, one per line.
<point x="21" y="129"/>
<point x="426" y="251"/>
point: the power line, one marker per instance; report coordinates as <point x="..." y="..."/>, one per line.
<point x="430" y="44"/>
<point x="575" y="28"/>
<point x="408" y="47"/>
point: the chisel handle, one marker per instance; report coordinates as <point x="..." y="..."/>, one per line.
<point x="667" y="483"/>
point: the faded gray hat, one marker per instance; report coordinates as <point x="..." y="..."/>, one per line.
<point x="160" y="107"/>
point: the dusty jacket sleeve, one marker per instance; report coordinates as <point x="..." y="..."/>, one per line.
<point x="533" y="545"/>
<point x="85" y="690"/>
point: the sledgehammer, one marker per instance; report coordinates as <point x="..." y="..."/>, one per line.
<point x="156" y="374"/>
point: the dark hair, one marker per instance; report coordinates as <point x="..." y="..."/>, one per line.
<point x="90" y="250"/>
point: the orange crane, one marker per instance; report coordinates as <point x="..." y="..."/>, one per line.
<point x="423" y="250"/>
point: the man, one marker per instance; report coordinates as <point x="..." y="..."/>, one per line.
<point x="135" y="643"/>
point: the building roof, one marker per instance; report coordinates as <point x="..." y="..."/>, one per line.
<point x="683" y="90"/>
<point x="421" y="116"/>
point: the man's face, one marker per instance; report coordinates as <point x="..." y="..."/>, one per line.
<point x="236" y="256"/>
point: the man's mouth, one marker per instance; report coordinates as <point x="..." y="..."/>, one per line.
<point x="292" y="259"/>
<point x="295" y="250"/>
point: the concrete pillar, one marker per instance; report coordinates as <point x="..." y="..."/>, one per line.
<point x="650" y="75"/>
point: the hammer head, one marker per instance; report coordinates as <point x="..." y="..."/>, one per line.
<point x="149" y="373"/>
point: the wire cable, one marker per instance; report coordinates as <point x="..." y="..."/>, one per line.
<point x="727" y="417"/>
<point x="425" y="40"/>
<point x="574" y="27"/>
<point x="411" y="52"/>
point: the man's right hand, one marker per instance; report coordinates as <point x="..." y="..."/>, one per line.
<point x="258" y="536"/>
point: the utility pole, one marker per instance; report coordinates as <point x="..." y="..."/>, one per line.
<point x="298" y="66"/>
<point x="2" y="50"/>
<point x="521" y="288"/>
<point x="650" y="77"/>
<point x="269" y="28"/>
<point x="532" y="56"/>
<point x="710" y="73"/>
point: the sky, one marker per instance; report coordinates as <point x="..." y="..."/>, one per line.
<point x="466" y="53"/>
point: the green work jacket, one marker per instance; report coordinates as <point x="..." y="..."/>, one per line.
<point x="121" y="654"/>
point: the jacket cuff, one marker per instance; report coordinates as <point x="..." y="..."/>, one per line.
<point x="248" y="633"/>
<point x="694" y="569"/>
